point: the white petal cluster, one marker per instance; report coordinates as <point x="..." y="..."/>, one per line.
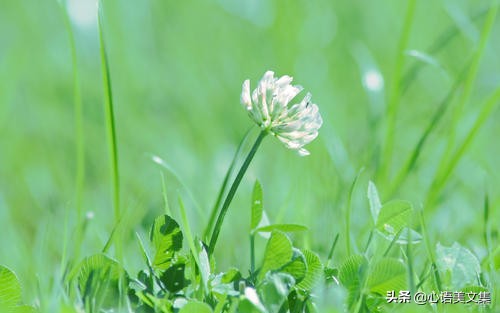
<point x="295" y="125"/>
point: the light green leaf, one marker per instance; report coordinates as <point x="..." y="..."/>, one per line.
<point x="257" y="205"/>
<point x="374" y="200"/>
<point x="406" y="234"/>
<point x="253" y="299"/>
<point x="204" y="265"/>
<point x="387" y="274"/>
<point x="287" y="228"/>
<point x="278" y="253"/>
<point x="459" y="266"/>
<point x="274" y="290"/>
<point x="297" y="267"/>
<point x="196" y="307"/>
<point x="314" y="271"/>
<point x="10" y="289"/>
<point x="394" y="216"/>
<point x="351" y="274"/>
<point x="166" y="237"/>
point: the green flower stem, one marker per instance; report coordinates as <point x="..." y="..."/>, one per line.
<point x="232" y="191"/>
<point x="222" y="190"/>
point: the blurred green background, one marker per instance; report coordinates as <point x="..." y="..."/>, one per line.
<point x="177" y="69"/>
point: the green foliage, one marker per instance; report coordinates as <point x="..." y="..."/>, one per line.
<point x="195" y="307"/>
<point x="277" y="254"/>
<point x="10" y="293"/>
<point x="459" y="266"/>
<point x="257" y="205"/>
<point x="352" y="274"/>
<point x="387" y="274"/>
<point x="100" y="280"/>
<point x="10" y="289"/>
<point x="166" y="237"/>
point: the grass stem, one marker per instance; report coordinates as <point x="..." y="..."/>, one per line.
<point x="223" y="188"/>
<point x="395" y="94"/>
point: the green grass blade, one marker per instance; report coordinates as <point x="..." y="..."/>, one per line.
<point x="450" y="165"/>
<point x="180" y="180"/>
<point x="78" y="109"/>
<point x="395" y="90"/>
<point x="445" y="166"/>
<point x="332" y="249"/>
<point x="442" y="41"/>
<point x="110" y="120"/>
<point x="164" y="193"/>
<point x="412" y="159"/>
<point x="430" y="253"/>
<point x="348" y="213"/>
<point x="79" y="140"/>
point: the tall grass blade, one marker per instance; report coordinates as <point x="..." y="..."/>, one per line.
<point x="395" y="90"/>
<point x="444" y="165"/>
<point x="442" y="41"/>
<point x="412" y="159"/>
<point x="430" y="253"/>
<point x="449" y="166"/>
<point x="78" y="115"/>
<point x="348" y="213"/>
<point x="110" y="119"/>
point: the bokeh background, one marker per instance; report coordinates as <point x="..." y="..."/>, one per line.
<point x="177" y="69"/>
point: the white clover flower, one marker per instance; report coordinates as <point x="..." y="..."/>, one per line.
<point x="295" y="125"/>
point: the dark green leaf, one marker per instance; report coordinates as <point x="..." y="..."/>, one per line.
<point x="173" y="278"/>
<point x="166" y="237"/>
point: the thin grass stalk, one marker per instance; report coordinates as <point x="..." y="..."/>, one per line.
<point x="110" y="121"/>
<point x="165" y="196"/>
<point x="430" y="253"/>
<point x="187" y="232"/>
<point x="450" y="165"/>
<point x="412" y="159"/>
<point x="442" y="41"/>
<point x="395" y="93"/>
<point x="232" y="191"/>
<point x="468" y="85"/>
<point x="348" y="213"/>
<point x="79" y="140"/>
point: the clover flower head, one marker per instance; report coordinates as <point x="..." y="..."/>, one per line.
<point x="268" y="106"/>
